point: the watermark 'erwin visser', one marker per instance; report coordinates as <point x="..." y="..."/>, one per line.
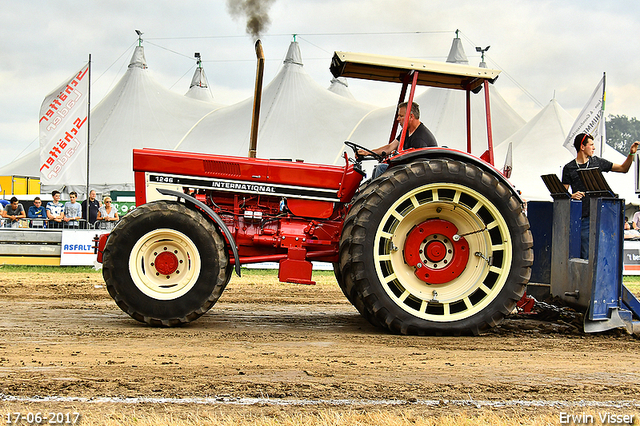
<point x="603" y="418"/>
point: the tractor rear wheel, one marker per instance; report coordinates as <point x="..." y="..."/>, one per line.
<point x="165" y="264"/>
<point x="436" y="247"/>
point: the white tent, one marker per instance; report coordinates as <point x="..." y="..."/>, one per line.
<point x="138" y="112"/>
<point x="27" y="165"/>
<point x="340" y="86"/>
<point x="443" y="111"/>
<point x="537" y="150"/>
<point x="299" y="119"/>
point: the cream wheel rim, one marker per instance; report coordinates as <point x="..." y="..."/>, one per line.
<point x="477" y="220"/>
<point x="164" y="264"/>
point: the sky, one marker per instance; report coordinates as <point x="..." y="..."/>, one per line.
<point x="545" y="49"/>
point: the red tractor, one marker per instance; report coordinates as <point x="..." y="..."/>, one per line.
<point x="438" y="244"/>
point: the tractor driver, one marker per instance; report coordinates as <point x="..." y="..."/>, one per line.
<point x="418" y="136"/>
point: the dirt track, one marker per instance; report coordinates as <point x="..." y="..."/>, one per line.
<point x="62" y="335"/>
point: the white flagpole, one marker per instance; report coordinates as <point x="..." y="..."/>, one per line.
<point x="88" y="137"/>
<point x="603" y="128"/>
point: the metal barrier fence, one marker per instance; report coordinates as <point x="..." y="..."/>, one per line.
<point x="25" y="246"/>
<point x="51" y="224"/>
<point x="71" y="245"/>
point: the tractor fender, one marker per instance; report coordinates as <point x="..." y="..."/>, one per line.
<point x="433" y="153"/>
<point x="213" y="215"/>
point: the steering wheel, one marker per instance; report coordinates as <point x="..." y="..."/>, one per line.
<point x="355" y="147"/>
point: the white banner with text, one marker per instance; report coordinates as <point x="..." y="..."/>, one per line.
<point x="78" y="246"/>
<point x="63" y="132"/>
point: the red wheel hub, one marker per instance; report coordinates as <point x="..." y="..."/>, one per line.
<point x="432" y="250"/>
<point x="166" y="263"/>
<point x="435" y="251"/>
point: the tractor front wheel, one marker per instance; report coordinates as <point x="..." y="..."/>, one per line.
<point x="165" y="264"/>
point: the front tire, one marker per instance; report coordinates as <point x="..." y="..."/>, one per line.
<point x="165" y="264"/>
<point x="437" y="247"/>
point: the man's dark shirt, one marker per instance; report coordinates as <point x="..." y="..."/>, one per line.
<point x="570" y="177"/>
<point x="421" y="138"/>
<point x="94" y="206"/>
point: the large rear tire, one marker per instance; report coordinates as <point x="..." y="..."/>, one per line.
<point x="436" y="247"/>
<point x="165" y="264"/>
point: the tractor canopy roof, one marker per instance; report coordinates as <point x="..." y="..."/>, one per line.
<point x="395" y="69"/>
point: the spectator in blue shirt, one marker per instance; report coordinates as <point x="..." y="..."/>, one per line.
<point x="37" y="210"/>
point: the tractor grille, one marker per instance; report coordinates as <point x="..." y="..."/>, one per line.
<point x="219" y="168"/>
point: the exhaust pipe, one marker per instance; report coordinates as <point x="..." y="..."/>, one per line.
<point x="257" y="98"/>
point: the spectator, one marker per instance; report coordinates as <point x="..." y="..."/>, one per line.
<point x="108" y="214"/>
<point x="629" y="232"/>
<point x="94" y="207"/>
<point x="37" y="211"/>
<point x="3" y="203"/>
<point x="12" y="213"/>
<point x="72" y="211"/>
<point x="55" y="211"/>
<point x="635" y="221"/>
<point x="585" y="149"/>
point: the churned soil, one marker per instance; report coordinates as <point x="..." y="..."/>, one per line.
<point x="62" y="336"/>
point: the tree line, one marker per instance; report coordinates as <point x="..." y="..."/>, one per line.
<point x="622" y="131"/>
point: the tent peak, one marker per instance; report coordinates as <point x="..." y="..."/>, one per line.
<point x="482" y="51"/>
<point x="456" y="53"/>
<point x="199" y="78"/>
<point x="139" y="37"/>
<point x="293" y="54"/>
<point x="339" y="86"/>
<point x="138" y="60"/>
<point x="199" y="87"/>
<point x="340" y="80"/>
